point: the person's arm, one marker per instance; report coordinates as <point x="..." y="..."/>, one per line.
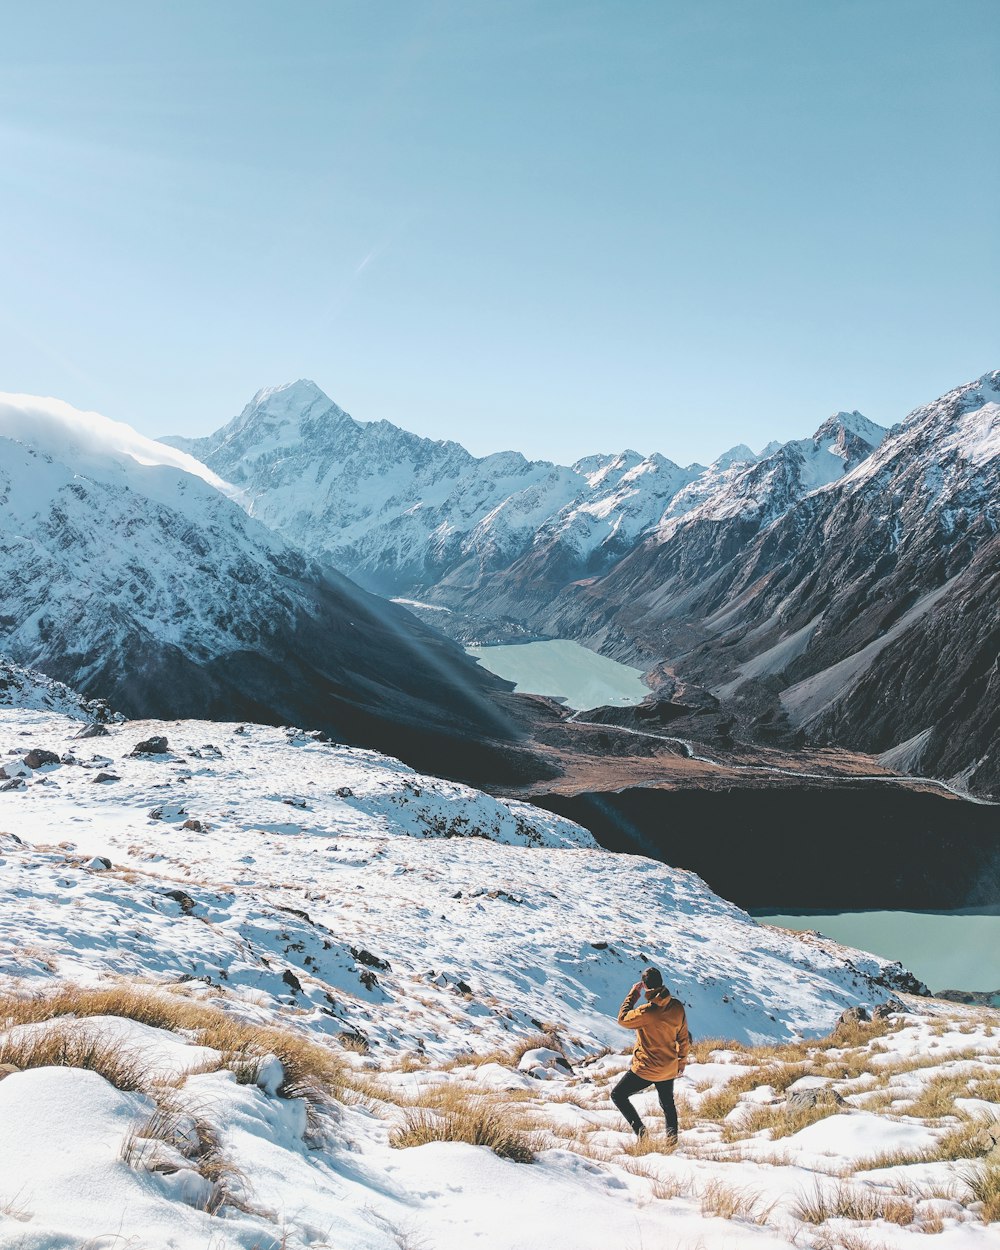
<point x="626" y="1016"/>
<point x="683" y="1043"/>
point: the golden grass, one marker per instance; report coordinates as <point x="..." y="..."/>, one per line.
<point x="651" y="1144"/>
<point x="312" y="1070"/>
<point x="779" y="1119"/>
<point x="937" y="1097"/>
<point x="65" y="1048"/>
<point x="983" y="1183"/>
<point x="479" y="1119"/>
<point x="735" y="1202"/>
<point x="159" y="1010"/>
<point x="851" y="1202"/>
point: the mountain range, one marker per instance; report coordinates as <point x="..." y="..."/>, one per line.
<point x="839" y="588"/>
<point x="129" y="571"/>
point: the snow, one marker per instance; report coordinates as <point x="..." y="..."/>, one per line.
<point x="59" y="430"/>
<point x="404" y="513"/>
<point x="335" y="892"/>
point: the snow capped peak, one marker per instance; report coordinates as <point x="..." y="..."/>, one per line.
<point x="68" y="434"/>
<point x="850" y="423"/>
<point x="291" y="399"/>
<point x="770" y="449"/>
<point x="740" y="454"/>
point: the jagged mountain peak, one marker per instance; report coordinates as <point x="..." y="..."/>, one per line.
<point x="290" y="397"/>
<point x="855" y="423"/>
<point x="740" y="454"/>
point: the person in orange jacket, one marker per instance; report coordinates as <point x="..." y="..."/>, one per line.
<point x="661" y="1049"/>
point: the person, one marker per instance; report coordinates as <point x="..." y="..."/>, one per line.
<point x="661" y="1049"/>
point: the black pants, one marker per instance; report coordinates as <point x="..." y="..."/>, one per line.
<point x="631" y="1084"/>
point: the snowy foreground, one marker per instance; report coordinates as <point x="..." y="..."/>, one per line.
<point x="248" y="983"/>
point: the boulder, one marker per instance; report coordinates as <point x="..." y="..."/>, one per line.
<point x="543" y="1063"/>
<point x="891" y="1007"/>
<point x="38" y="757"/>
<point x="105" y="777"/>
<point x="150" y="746"/>
<point x="183" y="900"/>
<point x="167" y="811"/>
<point x="854" y="1015"/>
<point x="92" y="731"/>
<point x="802" y="1099"/>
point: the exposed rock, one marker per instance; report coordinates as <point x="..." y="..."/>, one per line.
<point x="184" y="900"/>
<point x="543" y="1063"/>
<point x="801" y="1099"/>
<point x="150" y="746"/>
<point x="855" y="1015"/>
<point x="891" y="1007"/>
<point x="15" y="783"/>
<point x="290" y="979"/>
<point x="38" y="757"/>
<point x="981" y="998"/>
<point x="167" y="811"/>
<point x="194" y="825"/>
<point x="92" y="731"/>
<point x="370" y="960"/>
<point x="100" y="863"/>
<point x="102" y="776"/>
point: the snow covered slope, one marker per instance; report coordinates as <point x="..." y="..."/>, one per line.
<point x="187" y="934"/>
<point x="265" y="860"/>
<point x="128" y="572"/>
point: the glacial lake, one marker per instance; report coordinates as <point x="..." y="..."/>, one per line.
<point x="564" y="670"/>
<point x="957" y="950"/>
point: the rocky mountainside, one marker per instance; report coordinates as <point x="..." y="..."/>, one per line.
<point x="126" y="570"/>
<point x="862" y="614"/>
<point x="22" y="687"/>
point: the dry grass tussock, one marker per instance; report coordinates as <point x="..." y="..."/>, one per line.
<point x="479" y="1119"/>
<point x="651" y="1144"/>
<point x="312" y="1070"/>
<point x="779" y="1119"/>
<point x="845" y="1201"/>
<point x="983" y="1183"/>
<point x="937" y="1097"/>
<point x="64" y="1048"/>
<point x="508" y="1058"/>
<point x="197" y="1144"/>
<point x="735" y="1202"/>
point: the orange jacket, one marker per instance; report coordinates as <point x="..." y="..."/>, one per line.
<point x="661" y="1042"/>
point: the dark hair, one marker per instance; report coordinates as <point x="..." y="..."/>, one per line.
<point x="651" y="978"/>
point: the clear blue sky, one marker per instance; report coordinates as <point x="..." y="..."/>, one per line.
<point x="565" y="227"/>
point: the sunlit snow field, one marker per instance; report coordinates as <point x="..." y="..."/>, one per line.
<point x="947" y="950"/>
<point x="564" y="670"/>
